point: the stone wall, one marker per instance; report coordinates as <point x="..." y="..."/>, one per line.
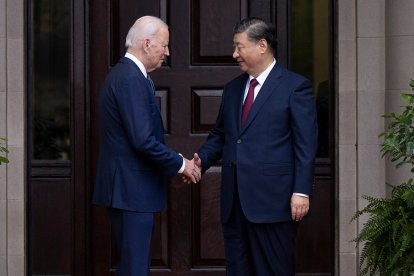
<point x="12" y="126"/>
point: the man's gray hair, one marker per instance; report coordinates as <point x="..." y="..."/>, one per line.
<point x="144" y="27"/>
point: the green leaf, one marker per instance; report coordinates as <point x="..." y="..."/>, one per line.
<point x="406" y="97"/>
<point x="3" y="160"/>
<point x="4" y="150"/>
<point x="410" y="148"/>
<point x="412" y="84"/>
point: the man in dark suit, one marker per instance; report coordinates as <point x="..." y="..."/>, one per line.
<point x="266" y="136"/>
<point x="134" y="162"/>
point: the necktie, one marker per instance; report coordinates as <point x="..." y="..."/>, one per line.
<point x="248" y="102"/>
<point x="151" y="83"/>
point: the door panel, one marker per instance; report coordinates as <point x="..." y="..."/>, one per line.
<point x="187" y="237"/>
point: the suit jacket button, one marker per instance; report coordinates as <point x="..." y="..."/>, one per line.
<point x="239" y="141"/>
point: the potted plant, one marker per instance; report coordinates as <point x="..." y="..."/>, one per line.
<point x="388" y="235"/>
<point x="3" y="151"/>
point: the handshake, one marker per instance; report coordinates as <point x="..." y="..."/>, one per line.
<point x="192" y="170"/>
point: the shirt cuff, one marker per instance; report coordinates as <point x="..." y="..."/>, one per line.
<point x="183" y="165"/>
<point x="299" y="194"/>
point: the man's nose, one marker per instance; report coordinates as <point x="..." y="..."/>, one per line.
<point x="235" y="54"/>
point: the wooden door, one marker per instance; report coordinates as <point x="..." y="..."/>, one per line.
<point x="187" y="239"/>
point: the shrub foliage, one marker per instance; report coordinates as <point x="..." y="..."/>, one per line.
<point x="388" y="235"/>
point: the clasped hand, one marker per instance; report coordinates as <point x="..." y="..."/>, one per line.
<point x="192" y="170"/>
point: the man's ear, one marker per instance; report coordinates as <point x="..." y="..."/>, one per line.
<point x="146" y="44"/>
<point x="263" y="45"/>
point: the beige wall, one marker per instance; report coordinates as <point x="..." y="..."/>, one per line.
<point x="346" y="135"/>
<point x="375" y="63"/>
<point x="12" y="125"/>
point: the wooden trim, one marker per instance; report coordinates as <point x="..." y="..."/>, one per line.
<point x="79" y="135"/>
<point x="283" y="31"/>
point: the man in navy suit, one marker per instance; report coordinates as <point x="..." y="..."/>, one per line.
<point x="266" y="136"/>
<point x="134" y="162"/>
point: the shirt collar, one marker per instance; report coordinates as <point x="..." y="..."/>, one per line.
<point x="263" y="76"/>
<point x="137" y="62"/>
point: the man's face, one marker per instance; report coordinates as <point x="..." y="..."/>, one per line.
<point x="158" y="49"/>
<point x="246" y="52"/>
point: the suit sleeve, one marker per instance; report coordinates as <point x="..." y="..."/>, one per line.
<point x="135" y="112"/>
<point x="211" y="151"/>
<point x="304" y="131"/>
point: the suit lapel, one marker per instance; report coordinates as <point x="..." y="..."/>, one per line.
<point x="268" y="88"/>
<point x="145" y="80"/>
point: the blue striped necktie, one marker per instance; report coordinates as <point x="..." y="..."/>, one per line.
<point x="151" y="83"/>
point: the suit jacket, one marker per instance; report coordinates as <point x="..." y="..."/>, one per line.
<point x="134" y="162"/>
<point x="272" y="155"/>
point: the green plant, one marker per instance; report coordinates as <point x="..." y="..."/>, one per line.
<point x="399" y="138"/>
<point x="388" y="235"/>
<point x="3" y="151"/>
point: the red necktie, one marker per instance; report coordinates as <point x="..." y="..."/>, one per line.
<point x="248" y="102"/>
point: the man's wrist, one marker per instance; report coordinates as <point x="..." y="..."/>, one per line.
<point x="302" y="195"/>
<point x="181" y="170"/>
